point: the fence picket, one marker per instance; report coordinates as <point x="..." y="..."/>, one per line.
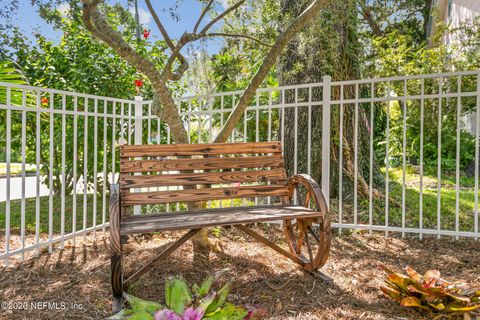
<point x="204" y="114"/>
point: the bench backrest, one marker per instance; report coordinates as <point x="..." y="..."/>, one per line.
<point x="224" y="170"/>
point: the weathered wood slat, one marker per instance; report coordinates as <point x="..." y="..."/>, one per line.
<point x="277" y="206"/>
<point x="199" y="149"/>
<point x="267" y="169"/>
<point x="127" y="166"/>
<point x="147" y="181"/>
<point x="232" y="210"/>
<point x="138" y="198"/>
<point x="201" y="219"/>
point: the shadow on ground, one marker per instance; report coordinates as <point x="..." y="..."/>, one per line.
<point x="259" y="276"/>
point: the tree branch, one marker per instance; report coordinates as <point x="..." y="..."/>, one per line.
<point x="175" y="53"/>
<point x="186" y="38"/>
<point x="167" y="70"/>
<point x="267" y="64"/>
<point x="237" y="35"/>
<point x="367" y="14"/>
<point x="221" y="16"/>
<point x="204" y="12"/>
<point x="190" y="37"/>
<point x="160" y="26"/>
<point x="97" y="24"/>
<point x="178" y="73"/>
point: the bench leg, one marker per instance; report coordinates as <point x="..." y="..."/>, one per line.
<point x="116" y="249"/>
<point x="117" y="281"/>
<point x="272" y="245"/>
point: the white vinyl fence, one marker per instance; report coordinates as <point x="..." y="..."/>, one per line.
<point x="369" y="143"/>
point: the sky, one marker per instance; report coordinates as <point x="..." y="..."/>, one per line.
<point x="189" y="10"/>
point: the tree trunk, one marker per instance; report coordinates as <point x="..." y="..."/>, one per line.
<point x="98" y="25"/>
<point x="329" y="46"/>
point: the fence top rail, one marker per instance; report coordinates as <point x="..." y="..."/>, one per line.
<point x="64" y="92"/>
<point x="408" y="77"/>
<point x="259" y="91"/>
<point x="333" y="83"/>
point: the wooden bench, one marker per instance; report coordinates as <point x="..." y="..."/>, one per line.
<point x="215" y="172"/>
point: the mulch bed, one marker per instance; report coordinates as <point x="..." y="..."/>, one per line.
<point x="260" y="276"/>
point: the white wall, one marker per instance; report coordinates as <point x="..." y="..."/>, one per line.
<point x="460" y="11"/>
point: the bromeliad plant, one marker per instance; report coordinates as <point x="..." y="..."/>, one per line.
<point x="183" y="303"/>
<point x="431" y="293"/>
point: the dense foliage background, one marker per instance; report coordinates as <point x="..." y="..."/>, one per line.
<point x="358" y="39"/>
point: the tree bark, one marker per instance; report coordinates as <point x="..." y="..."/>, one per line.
<point x="99" y="27"/>
<point x="303" y="17"/>
<point x="327" y="47"/>
<point x="97" y="24"/>
<point x="367" y="15"/>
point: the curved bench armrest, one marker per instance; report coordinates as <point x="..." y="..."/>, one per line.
<point x="313" y="188"/>
<point x="316" y="195"/>
<point x="114" y="199"/>
<point x="115" y="217"/>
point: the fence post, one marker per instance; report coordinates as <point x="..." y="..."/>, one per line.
<point x="326" y="123"/>
<point x="138" y="120"/>
<point x="138" y="134"/>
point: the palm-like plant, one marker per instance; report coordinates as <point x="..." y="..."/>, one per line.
<point x="184" y="303"/>
<point x="9" y="73"/>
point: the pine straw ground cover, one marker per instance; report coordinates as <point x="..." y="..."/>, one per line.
<point x="260" y="276"/>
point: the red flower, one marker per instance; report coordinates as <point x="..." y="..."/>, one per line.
<point x="146" y="34"/>
<point x="138" y="83"/>
<point x="44" y="101"/>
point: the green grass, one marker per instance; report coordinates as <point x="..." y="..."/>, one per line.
<point x="15" y="168"/>
<point x="412" y="202"/>
<point x="448" y="179"/>
<point x="412" y="211"/>
<point x="30" y="214"/>
<point x="430" y="198"/>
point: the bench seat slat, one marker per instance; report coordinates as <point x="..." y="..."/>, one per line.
<point x="128" y="166"/>
<point x="209" y="218"/>
<point x="199" y="149"/>
<point x="147" y="181"/>
<point x="157" y="197"/>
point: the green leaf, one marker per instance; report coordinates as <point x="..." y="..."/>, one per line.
<point x="121" y="315"/>
<point x="220" y="299"/>
<point x="195" y="289"/>
<point x="205" y="302"/>
<point x="438" y="306"/>
<point x="168" y="291"/>
<point x="140" y="305"/>
<point x="206" y="285"/>
<point x="459" y="308"/>
<point x="141" y="316"/>
<point x="229" y="312"/>
<point x="177" y="295"/>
